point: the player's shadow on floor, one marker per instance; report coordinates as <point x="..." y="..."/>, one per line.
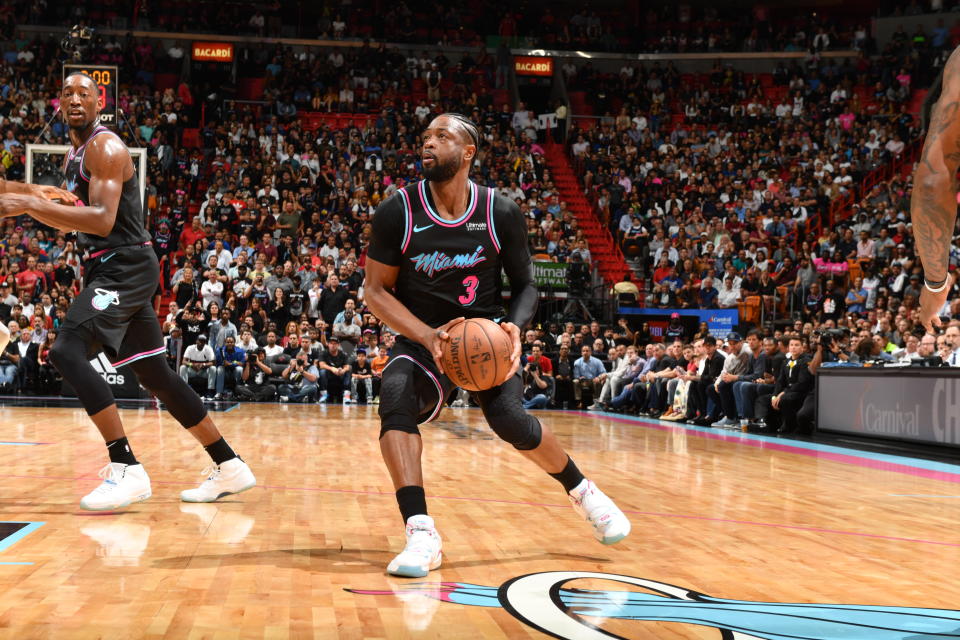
<point x="348" y="561"/>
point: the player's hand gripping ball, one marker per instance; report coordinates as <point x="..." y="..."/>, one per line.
<point x="477" y="355"/>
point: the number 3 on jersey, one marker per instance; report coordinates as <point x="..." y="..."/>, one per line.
<point x="471" y="283"/>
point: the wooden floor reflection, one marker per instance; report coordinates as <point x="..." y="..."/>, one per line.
<point x="734" y="517"/>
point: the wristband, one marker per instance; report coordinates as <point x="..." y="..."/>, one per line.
<point x="936" y="287"/>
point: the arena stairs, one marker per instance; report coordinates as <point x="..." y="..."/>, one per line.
<point x="610" y="262"/>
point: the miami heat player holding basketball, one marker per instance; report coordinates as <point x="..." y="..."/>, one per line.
<point x="435" y="257"/>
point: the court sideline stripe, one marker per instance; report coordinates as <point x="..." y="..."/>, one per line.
<point x="882" y="461"/>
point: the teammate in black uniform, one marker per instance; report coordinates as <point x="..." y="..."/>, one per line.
<point x="436" y="256"/>
<point x="114" y="311"/>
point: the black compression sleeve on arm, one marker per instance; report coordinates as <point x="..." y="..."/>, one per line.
<point x="389" y="225"/>
<point x="515" y="254"/>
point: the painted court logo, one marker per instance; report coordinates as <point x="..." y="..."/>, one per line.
<point x="541" y="601"/>
<point x="104" y="299"/>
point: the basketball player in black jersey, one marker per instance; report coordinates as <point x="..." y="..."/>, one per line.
<point x="435" y="257"/>
<point x="114" y="312"/>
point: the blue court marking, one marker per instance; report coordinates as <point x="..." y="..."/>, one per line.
<point x="760" y="440"/>
<point x="22" y="533"/>
<point x="235" y="405"/>
<point x="11" y="563"/>
<point x="21" y="444"/>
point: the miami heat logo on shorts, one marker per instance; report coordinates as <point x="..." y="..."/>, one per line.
<point x="104" y="299"/>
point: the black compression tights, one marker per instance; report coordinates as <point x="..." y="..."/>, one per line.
<point x="69" y="356"/>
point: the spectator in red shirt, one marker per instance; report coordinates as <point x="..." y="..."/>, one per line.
<point x="536" y="356"/>
<point x="191" y="234"/>
<point x="267" y="247"/>
<point x="28" y="278"/>
<point x="663" y="270"/>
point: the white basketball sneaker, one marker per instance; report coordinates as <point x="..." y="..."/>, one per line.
<point x="423" y="551"/>
<point x="609" y="524"/>
<point x="233" y="476"/>
<point x="123" y="484"/>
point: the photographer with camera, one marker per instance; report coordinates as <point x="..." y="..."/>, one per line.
<point x="302" y="378"/>
<point x="832" y="341"/>
<point x="538" y="384"/>
<point x="256" y="374"/>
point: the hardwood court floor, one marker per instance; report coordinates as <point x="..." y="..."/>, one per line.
<point x="734" y="517"/>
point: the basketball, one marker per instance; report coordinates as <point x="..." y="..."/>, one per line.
<point x="477" y="356"/>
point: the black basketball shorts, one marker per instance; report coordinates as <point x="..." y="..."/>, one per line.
<point x="116" y="304"/>
<point x="413" y="390"/>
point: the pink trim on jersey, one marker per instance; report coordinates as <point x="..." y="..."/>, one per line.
<point x="407" y="220"/>
<point x="73" y="152"/>
<point x="97" y="254"/>
<point x="493" y="234"/>
<point x="436" y="409"/>
<point x="422" y="190"/>
<point x="140" y="356"/>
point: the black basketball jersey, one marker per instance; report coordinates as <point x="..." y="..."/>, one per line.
<point x="129" y="227"/>
<point x="450" y="268"/>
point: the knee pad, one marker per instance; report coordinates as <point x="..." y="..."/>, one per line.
<point x="506" y="416"/>
<point x="523" y="433"/>
<point x="399" y="407"/>
<point x="181" y="401"/>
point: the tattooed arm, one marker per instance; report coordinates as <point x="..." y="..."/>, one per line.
<point x="933" y="207"/>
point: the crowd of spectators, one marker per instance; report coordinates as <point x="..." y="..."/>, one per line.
<point x="717" y="205"/>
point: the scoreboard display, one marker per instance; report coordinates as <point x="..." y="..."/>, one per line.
<point x="107" y="81"/>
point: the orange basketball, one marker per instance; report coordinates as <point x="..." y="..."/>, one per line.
<point x="477" y="357"/>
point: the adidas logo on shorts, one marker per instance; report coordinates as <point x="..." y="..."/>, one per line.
<point x="106" y="369"/>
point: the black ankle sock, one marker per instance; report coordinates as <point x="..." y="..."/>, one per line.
<point x="220" y="451"/>
<point x="570" y="477"/>
<point x="121" y="452"/>
<point x="412" y="501"/>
